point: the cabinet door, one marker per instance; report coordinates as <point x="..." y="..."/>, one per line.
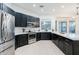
<point x="18" y="19"/>
<point x="16" y="41"/>
<point x="38" y="36"/>
<point x="28" y="18"/>
<point x="68" y="47"/>
<point x="21" y="40"/>
<point x="24" y="21"/>
<point x="45" y="36"/>
<point x="60" y="43"/>
<point x="1" y="6"/>
<point x="55" y="39"/>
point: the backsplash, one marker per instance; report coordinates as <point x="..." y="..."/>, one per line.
<point x="19" y="30"/>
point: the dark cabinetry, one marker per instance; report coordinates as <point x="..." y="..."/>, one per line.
<point x="55" y="38"/>
<point x="0" y="6"/>
<point x="60" y="43"/>
<point x="21" y="40"/>
<point x="33" y="21"/>
<point x="24" y="21"/>
<point x="20" y="20"/>
<point x="38" y="36"/>
<point x="68" y="46"/>
<point x="68" y="49"/>
<point x="44" y="36"/>
<point x="63" y="43"/>
<point x="75" y="47"/>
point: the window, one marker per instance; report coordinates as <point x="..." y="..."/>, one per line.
<point x="63" y="26"/>
<point x="72" y="27"/>
<point x="46" y="25"/>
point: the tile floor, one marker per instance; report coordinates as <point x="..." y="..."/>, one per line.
<point x="42" y="47"/>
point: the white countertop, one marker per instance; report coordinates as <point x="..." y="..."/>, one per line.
<point x="67" y="35"/>
<point x="70" y="36"/>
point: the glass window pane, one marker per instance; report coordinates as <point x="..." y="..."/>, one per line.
<point x="72" y="26"/>
<point x="63" y="27"/>
<point x="45" y="25"/>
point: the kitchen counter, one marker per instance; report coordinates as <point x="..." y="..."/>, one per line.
<point x="74" y="37"/>
<point x="67" y="35"/>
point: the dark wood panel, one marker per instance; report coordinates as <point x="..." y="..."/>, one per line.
<point x="1" y="6"/>
<point x="21" y="40"/>
<point x="38" y="36"/>
<point x="63" y="43"/>
<point x="44" y="36"/>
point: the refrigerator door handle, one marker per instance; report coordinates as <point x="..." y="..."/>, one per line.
<point x="2" y="27"/>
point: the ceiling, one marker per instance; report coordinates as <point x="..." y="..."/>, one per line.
<point x="55" y="9"/>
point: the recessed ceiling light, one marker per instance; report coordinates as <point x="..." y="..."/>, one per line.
<point x="53" y="10"/>
<point x="34" y="5"/>
<point x="62" y="6"/>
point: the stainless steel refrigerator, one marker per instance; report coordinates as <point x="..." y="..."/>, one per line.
<point x="7" y="39"/>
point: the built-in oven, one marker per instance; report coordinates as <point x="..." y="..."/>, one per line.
<point x="31" y="37"/>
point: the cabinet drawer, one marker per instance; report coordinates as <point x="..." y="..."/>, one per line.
<point x="68" y="50"/>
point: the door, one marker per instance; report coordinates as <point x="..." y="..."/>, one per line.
<point x="10" y="22"/>
<point x="4" y="27"/>
<point x="7" y="27"/>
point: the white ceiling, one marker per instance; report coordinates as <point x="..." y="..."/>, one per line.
<point x="55" y="9"/>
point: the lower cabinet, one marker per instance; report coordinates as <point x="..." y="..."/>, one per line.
<point x="60" y="43"/>
<point x="55" y="39"/>
<point x="21" y="40"/>
<point x="76" y="47"/>
<point x="67" y="46"/>
<point x="43" y="36"/>
<point x="38" y="36"/>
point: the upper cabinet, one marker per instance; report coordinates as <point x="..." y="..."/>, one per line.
<point x="20" y="20"/>
<point x="33" y="22"/>
<point x="0" y="6"/>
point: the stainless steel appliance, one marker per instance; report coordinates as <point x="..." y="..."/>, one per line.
<point x="31" y="37"/>
<point x="7" y="42"/>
